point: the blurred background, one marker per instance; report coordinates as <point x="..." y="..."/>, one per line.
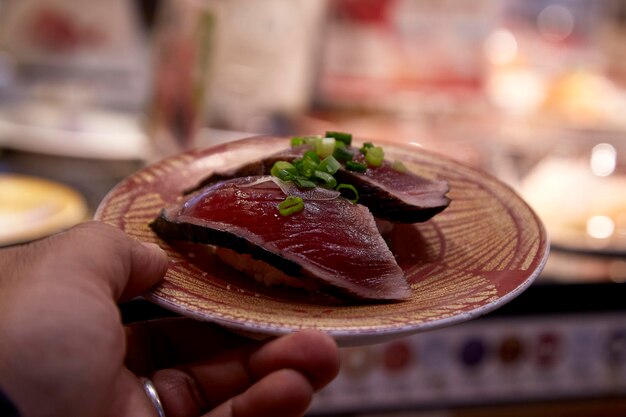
<point x="531" y="91"/>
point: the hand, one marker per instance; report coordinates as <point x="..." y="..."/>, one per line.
<point x="64" y="351"/>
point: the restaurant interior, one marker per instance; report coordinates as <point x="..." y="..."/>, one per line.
<point x="530" y="92"/>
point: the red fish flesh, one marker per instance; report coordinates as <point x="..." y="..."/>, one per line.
<point x="331" y="242"/>
<point x="398" y="197"/>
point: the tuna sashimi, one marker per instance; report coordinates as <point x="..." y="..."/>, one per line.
<point x="390" y="194"/>
<point x="398" y="197"/>
<point x="331" y="242"/>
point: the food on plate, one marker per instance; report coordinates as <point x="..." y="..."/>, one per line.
<point x="329" y="243"/>
<point x="311" y="216"/>
<point x="387" y="188"/>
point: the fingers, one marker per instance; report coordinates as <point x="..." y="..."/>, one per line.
<point x="166" y="343"/>
<point x="176" y="342"/>
<point x="285" y="393"/>
<point x="62" y="341"/>
<point x="311" y="352"/>
<point x="180" y="393"/>
<point x="123" y="266"/>
<point x="148" y="266"/>
<point x="128" y="398"/>
<point x="200" y="386"/>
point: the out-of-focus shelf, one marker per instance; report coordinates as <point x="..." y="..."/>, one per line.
<point x="94" y="134"/>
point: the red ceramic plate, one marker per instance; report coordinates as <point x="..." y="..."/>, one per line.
<point x="478" y="254"/>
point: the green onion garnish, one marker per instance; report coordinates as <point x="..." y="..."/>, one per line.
<point x="297" y="140"/>
<point x="356" y="166"/>
<point x="325" y="147"/>
<point x="312" y="156"/>
<point x="326" y="180"/>
<point x="290" y="205"/>
<point x="283" y="170"/>
<point x="351" y="191"/>
<point x="365" y="147"/>
<point x="329" y="164"/>
<point x="318" y="166"/>
<point x="305" y="140"/>
<point x="398" y="166"/>
<point x="374" y="156"/>
<point x="306" y="167"/>
<point x="302" y="182"/>
<point x="342" y="153"/>
<point x="343" y="137"/>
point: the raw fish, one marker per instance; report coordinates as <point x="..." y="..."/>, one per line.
<point x="398" y="197"/>
<point x="331" y="242"/>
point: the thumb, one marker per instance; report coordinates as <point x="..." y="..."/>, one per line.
<point x="96" y="251"/>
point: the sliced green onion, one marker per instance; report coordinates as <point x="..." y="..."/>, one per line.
<point x="306" y="167"/>
<point x="329" y="164"/>
<point x="312" y="140"/>
<point x="340" y="136"/>
<point x="342" y="153"/>
<point x="326" y="180"/>
<point x="365" y="147"/>
<point x="305" y="140"/>
<point x="356" y="166"/>
<point x="374" y="156"/>
<point x="283" y="170"/>
<point x="325" y="147"/>
<point x="351" y="191"/>
<point x="312" y="156"/>
<point x="290" y="205"/>
<point x="297" y="140"/>
<point x="302" y="182"/>
<point x="398" y="166"/>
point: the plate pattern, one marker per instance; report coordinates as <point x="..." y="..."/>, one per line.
<point x="478" y="254"/>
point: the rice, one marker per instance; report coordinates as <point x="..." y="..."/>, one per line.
<point x="261" y="271"/>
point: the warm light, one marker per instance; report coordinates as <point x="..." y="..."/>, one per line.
<point x="603" y="159"/>
<point x="617" y="271"/>
<point x="555" y="23"/>
<point x="620" y="224"/>
<point x="501" y="47"/>
<point x="600" y="227"/>
<point x="519" y="91"/>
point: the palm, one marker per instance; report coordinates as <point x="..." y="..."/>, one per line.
<point x="73" y="353"/>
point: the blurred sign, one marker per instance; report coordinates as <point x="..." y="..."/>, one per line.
<point x="375" y="52"/>
<point x="73" y="77"/>
<point x="93" y="50"/>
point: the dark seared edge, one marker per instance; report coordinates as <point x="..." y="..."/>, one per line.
<point x="255" y="168"/>
<point x="187" y="232"/>
<point x="384" y="204"/>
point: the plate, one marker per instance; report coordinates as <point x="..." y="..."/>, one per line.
<point x="577" y="191"/>
<point x="32" y="207"/>
<point x="478" y="254"/>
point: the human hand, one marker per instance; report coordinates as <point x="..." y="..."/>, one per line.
<point x="64" y="351"/>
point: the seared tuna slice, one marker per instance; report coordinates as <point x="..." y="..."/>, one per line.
<point x="392" y="195"/>
<point x="331" y="242"/>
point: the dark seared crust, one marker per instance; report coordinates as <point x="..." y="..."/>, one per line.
<point x="386" y="205"/>
<point x="255" y="168"/>
<point x="187" y="232"/>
